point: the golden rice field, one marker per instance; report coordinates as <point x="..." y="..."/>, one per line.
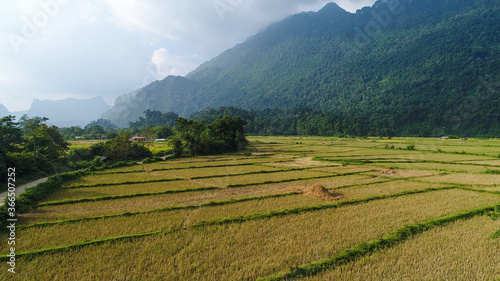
<point x="295" y="208"/>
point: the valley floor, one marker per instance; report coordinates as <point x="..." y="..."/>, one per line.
<point x="308" y="208"/>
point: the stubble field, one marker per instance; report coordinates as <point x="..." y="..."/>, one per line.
<point x="304" y="208"/>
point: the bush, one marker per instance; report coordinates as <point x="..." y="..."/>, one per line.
<point x="411" y="147"/>
<point x="121" y="148"/>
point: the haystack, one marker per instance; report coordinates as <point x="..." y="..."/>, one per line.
<point x="319" y="191"/>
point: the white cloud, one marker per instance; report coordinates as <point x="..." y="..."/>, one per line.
<point x="89" y="14"/>
<point x="168" y="64"/>
<point x="108" y="47"/>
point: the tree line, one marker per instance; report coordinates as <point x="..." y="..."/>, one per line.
<point x="30" y="145"/>
<point x="37" y="149"/>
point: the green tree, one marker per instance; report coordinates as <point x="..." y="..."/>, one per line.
<point x="95" y="132"/>
<point x="150" y="134"/>
<point x="189" y="133"/>
<point x="27" y="124"/>
<point x="11" y="139"/>
<point x="47" y="142"/>
<point x="121" y="148"/>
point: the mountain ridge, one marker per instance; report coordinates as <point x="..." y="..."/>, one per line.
<point x="411" y="66"/>
<point x="67" y="112"/>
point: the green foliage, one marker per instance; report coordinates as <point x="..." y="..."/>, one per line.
<point x="154" y="118"/>
<point x="48" y="142"/>
<point x="71" y="132"/>
<point x="492" y="172"/>
<point x="196" y="138"/>
<point x="28" y="125"/>
<point x="431" y="70"/>
<point x="11" y="139"/>
<point x="21" y="142"/>
<point x="121" y="148"/>
<point x="495" y="215"/>
<point x="103" y="123"/>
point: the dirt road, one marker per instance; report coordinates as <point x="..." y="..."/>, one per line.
<point x="20" y="189"/>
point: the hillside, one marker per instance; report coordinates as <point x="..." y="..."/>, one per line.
<point x="412" y="67"/>
<point x="3" y="111"/>
<point x="67" y="112"/>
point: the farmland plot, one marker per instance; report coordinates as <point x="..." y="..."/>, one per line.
<point x="275" y="215"/>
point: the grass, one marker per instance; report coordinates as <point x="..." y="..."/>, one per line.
<point x="475" y="179"/>
<point x="455" y="168"/>
<point x="148" y="175"/>
<point x="237" y="217"/>
<point x="434" y="253"/>
<point x="227" y="251"/>
<point x="59" y="232"/>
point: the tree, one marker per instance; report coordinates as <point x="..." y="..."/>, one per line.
<point x="189" y="133"/>
<point x="95" y="132"/>
<point x="195" y="138"/>
<point x="121" y="148"/>
<point x="50" y="144"/>
<point x="104" y="123"/>
<point x="229" y="132"/>
<point x="154" y="118"/>
<point x="27" y="124"/>
<point x="71" y="132"/>
<point x="150" y="134"/>
<point x="164" y="132"/>
<point x="11" y="136"/>
<point x="11" y="139"/>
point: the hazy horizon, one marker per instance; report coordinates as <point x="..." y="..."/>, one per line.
<point x="57" y="49"/>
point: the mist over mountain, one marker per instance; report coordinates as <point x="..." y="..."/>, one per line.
<point x="3" y="111"/>
<point x="413" y="67"/>
<point x="67" y="112"/>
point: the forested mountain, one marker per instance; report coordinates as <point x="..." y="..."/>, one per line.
<point x="410" y="67"/>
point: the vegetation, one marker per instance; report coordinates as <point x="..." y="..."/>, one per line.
<point x="30" y="146"/>
<point x="428" y="68"/>
<point x="267" y="225"/>
<point x="195" y="138"/>
<point x="419" y="254"/>
<point x="121" y="148"/>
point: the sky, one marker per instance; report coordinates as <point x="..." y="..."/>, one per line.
<point x="56" y="49"/>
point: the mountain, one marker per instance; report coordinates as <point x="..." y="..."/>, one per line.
<point x="67" y="112"/>
<point x="3" y="111"/>
<point x="413" y="67"/>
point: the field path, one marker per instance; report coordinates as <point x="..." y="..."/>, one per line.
<point x="20" y="189"/>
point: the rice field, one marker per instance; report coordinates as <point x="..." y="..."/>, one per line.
<point x="293" y="204"/>
<point x="428" y="253"/>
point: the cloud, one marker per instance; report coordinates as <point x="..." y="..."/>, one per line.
<point x="168" y="64"/>
<point x="111" y="47"/>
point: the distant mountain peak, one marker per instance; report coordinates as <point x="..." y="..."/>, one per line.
<point x="331" y="8"/>
<point x="411" y="66"/>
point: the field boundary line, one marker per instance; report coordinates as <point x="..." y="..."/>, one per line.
<point x="201" y="189"/>
<point x="178" y="179"/>
<point x="357" y="161"/>
<point x="478" y="190"/>
<point x="160" y="210"/>
<point x="175" y="169"/>
<point x="115" y="197"/>
<point x="298" y="179"/>
<point x="364" y="249"/>
<point x="224" y="221"/>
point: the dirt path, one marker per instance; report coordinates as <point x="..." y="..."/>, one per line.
<point x="20" y="189"/>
